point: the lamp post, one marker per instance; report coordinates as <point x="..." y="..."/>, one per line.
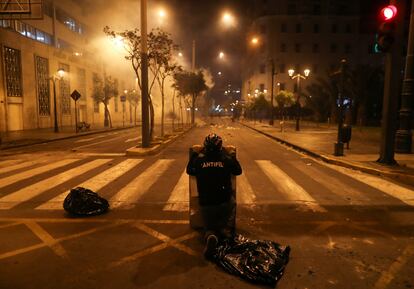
<point x="298" y="77"/>
<point x="272" y="63"/>
<point x="144" y="78"/>
<point x="57" y="76"/>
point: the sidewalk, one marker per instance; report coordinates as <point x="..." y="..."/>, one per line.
<point x="36" y="136"/>
<point x="318" y="141"/>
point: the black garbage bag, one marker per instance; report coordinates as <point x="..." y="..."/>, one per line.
<point x="84" y="202"/>
<point x="258" y="261"/>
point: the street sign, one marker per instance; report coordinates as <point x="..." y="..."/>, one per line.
<point x="123" y="98"/>
<point x="75" y="95"/>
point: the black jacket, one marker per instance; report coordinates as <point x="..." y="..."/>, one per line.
<point x="213" y="173"/>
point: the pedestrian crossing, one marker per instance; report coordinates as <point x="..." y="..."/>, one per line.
<point x="135" y="179"/>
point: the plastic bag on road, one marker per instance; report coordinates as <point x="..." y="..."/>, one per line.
<point x="258" y="261"/>
<point x="84" y="202"/>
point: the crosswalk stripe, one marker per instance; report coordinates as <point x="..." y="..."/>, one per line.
<point x="179" y="198"/>
<point x="29" y="192"/>
<point x="333" y="184"/>
<point x="9" y="168"/>
<point x="33" y="172"/>
<point x="99" y="142"/>
<point x="94" y="184"/>
<point x="399" y="192"/>
<point x="94" y="138"/>
<point x="138" y="186"/>
<point x="288" y="186"/>
<point x="244" y="193"/>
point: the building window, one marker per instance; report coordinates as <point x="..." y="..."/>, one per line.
<point x="262" y="87"/>
<point x="81" y="77"/>
<point x="316" y="9"/>
<point x="43" y="85"/>
<point x="262" y="68"/>
<point x="348" y="28"/>
<point x="297" y="47"/>
<point x="6" y="23"/>
<point x="30" y="31"/>
<point x="116" y="103"/>
<point x="96" y="83"/>
<point x="315" y="28"/>
<point x="348" y="48"/>
<point x="298" y="28"/>
<point x="334" y="28"/>
<point x="64" y="87"/>
<point x="20" y="27"/>
<point x="12" y="63"/>
<point x="315" y="48"/>
<point x="283" y="47"/>
<point x="283" y="28"/>
<point x="282" y="68"/>
<point x="291" y="9"/>
<point x="334" y="48"/>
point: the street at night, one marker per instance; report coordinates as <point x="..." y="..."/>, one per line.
<point x="206" y="144"/>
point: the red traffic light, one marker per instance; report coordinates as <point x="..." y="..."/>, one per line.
<point x="389" y="12"/>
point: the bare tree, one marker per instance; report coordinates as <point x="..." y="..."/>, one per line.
<point x="103" y="91"/>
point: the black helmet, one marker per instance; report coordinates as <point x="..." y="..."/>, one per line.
<point x="213" y="143"/>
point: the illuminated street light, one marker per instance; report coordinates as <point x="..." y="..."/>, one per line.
<point x="228" y="19"/>
<point x="255" y="41"/>
<point x="180" y="54"/>
<point x="219" y="73"/>
<point x="119" y="41"/>
<point x="161" y="13"/>
<point x="298" y="77"/>
<point x="221" y="55"/>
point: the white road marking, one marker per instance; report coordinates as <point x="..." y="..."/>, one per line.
<point x="399" y="192"/>
<point x="334" y="185"/>
<point x="179" y="198"/>
<point x="9" y="167"/>
<point x="288" y="186"/>
<point x="29" y="192"/>
<point x="244" y="193"/>
<point x="94" y="184"/>
<point x="132" y="192"/>
<point x="95" y="137"/>
<point x="99" y="142"/>
<point x="33" y="172"/>
<point x="133" y="139"/>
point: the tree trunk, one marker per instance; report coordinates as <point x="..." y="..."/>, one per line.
<point x="151" y="107"/>
<point x="106" y="114"/>
<point x="173" y="107"/>
<point x="181" y="113"/>
<point x="162" y="113"/>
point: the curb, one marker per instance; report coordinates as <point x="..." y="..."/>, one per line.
<point x="334" y="161"/>
<point x="156" y="148"/>
<point x="65" y="137"/>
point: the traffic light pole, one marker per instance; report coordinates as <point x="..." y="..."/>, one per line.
<point x="403" y="137"/>
<point x="391" y="87"/>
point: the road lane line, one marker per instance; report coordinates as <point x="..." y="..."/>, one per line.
<point x="288" y="186"/>
<point x="47" y="239"/>
<point x="94" y="184"/>
<point x="133" y="139"/>
<point x="94" y="138"/>
<point x="11" y="200"/>
<point x="133" y="191"/>
<point x="99" y="142"/>
<point x="165" y="239"/>
<point x="333" y="184"/>
<point x="244" y="194"/>
<point x="399" y="192"/>
<point x="33" y="172"/>
<point x="17" y="166"/>
<point x="178" y="200"/>
<point x="396" y="266"/>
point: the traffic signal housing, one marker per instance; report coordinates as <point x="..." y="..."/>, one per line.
<point x="386" y="31"/>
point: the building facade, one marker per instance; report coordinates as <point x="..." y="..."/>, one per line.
<point x="32" y="51"/>
<point x="299" y="35"/>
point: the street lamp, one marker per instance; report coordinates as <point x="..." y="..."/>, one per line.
<point x="57" y="76"/>
<point x="228" y="19"/>
<point x="273" y="73"/>
<point x="221" y="55"/>
<point x="298" y="77"/>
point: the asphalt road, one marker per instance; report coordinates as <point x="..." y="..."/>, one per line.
<point x="346" y="229"/>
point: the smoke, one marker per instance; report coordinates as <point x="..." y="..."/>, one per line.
<point x="208" y="77"/>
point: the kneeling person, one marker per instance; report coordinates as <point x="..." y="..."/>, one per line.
<point x="213" y="168"/>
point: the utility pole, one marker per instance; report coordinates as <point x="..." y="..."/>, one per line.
<point x="144" y="77"/>
<point x="392" y="78"/>
<point x="403" y="136"/>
